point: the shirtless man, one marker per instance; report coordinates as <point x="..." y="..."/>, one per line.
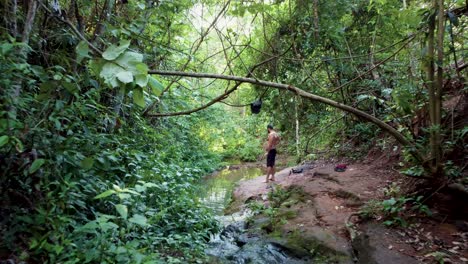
<point x="273" y="140"/>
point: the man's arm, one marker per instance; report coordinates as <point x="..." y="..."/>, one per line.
<point x="270" y="142"/>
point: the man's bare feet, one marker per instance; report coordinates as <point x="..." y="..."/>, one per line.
<point x="272" y="179"/>
<point x="265" y="181"/>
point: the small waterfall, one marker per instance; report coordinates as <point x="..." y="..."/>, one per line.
<point x="235" y="243"/>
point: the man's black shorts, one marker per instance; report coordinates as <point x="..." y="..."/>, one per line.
<point x="271" y="158"/>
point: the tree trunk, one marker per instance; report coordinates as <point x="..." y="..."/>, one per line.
<point x="316" y="20"/>
<point x="104" y="18"/>
<point x="23" y="50"/>
<point x="439" y="86"/>
<point x="298" y="150"/>
<point x="11" y="8"/>
<point x="32" y="7"/>
<point x="430" y="83"/>
<point x="434" y="84"/>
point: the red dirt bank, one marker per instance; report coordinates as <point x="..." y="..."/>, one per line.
<point x="334" y="196"/>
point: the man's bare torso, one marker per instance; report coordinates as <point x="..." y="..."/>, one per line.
<point x="273" y="140"/>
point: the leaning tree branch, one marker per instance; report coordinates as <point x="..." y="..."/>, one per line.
<point x="312" y="97"/>
<point x="188" y="112"/>
<point x="215" y="100"/>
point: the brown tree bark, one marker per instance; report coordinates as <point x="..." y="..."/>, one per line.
<point x="430" y="83"/>
<point x="316" y="20"/>
<point x="439" y="85"/>
<point x="11" y="8"/>
<point x="435" y="84"/>
<point x="32" y="8"/>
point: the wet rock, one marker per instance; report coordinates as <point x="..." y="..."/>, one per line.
<point x="236" y="244"/>
<point x="371" y="247"/>
<point x="221" y="249"/>
<point x="319" y="244"/>
<point x="264" y="253"/>
<point x="233" y="230"/>
<point x="362" y="250"/>
<point x="246" y="238"/>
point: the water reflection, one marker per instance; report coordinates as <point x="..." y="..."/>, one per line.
<point x="217" y="188"/>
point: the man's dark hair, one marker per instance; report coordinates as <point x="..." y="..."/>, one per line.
<point x="270" y="126"/>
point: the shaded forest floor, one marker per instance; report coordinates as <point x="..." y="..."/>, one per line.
<point x="329" y="198"/>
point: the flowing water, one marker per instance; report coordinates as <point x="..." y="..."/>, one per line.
<point x="234" y="244"/>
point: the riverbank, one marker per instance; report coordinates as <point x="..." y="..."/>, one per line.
<point x="309" y="211"/>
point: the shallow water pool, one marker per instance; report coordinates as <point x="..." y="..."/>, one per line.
<point x="216" y="189"/>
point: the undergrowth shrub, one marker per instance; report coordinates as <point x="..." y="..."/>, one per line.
<point x="79" y="184"/>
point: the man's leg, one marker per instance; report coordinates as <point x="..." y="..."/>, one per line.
<point x="268" y="168"/>
<point x="267" y="174"/>
<point x="272" y="163"/>
<point x="272" y="173"/>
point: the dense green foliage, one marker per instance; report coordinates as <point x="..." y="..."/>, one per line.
<point x="82" y="194"/>
<point x="90" y="172"/>
<point x="331" y="49"/>
<point x="82" y="182"/>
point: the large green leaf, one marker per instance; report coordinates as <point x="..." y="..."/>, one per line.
<point x="71" y="87"/>
<point x="82" y="51"/>
<point x="129" y="58"/>
<point x="109" y="72"/>
<point x="141" y="80"/>
<point x="122" y="210"/>
<point x="96" y="65"/>
<point x="125" y="76"/>
<point x="3" y="140"/>
<point x="112" y="52"/>
<point x="132" y="61"/>
<point x="156" y="86"/>
<point x="138" y="97"/>
<point x="6" y="47"/>
<point x="104" y="194"/>
<point x="87" y="163"/>
<point x="141" y="67"/>
<point x="139" y="220"/>
<point x="36" y="165"/>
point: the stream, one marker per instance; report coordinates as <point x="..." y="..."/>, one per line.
<point x="234" y="244"/>
<point x="218" y="187"/>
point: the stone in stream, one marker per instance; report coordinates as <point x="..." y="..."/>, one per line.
<point x="236" y="245"/>
<point x="220" y="249"/>
<point x="264" y="253"/>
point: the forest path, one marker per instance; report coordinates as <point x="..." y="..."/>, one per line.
<point x="333" y="196"/>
